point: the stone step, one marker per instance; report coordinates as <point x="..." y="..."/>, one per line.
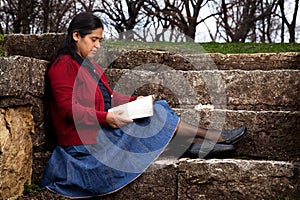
<point x="271" y="134"/>
<point x="233" y="89"/>
<point x="130" y="59"/>
<point x="257" y="61"/>
<point x="235" y="179"/>
<point x="221" y="179"/>
<point x="209" y="179"/>
<point x="40" y="46"/>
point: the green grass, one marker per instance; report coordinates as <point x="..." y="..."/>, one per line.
<point x="178" y="47"/>
<point x="31" y="190"/>
<point x="210" y="47"/>
<point x="251" y="47"/>
<point x="190" y="47"/>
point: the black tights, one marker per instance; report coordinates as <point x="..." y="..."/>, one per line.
<point x="193" y="133"/>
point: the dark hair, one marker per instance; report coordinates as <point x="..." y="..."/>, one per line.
<point x="83" y="23"/>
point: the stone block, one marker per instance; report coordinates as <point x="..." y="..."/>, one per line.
<point x="254" y="61"/>
<point x="16" y="126"/>
<point x="234" y="89"/>
<point x="21" y="78"/>
<point x="236" y="179"/>
<point x="40" y="46"/>
<point x="208" y="61"/>
<point x="263" y="90"/>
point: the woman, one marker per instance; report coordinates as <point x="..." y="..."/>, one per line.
<point x="100" y="152"/>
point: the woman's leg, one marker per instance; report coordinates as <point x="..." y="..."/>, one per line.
<point x="188" y="130"/>
<point x="224" y="136"/>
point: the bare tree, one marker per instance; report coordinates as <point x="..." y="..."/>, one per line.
<point x="239" y="17"/>
<point x="36" y="16"/>
<point x="290" y="25"/>
<point x="183" y="14"/>
<point x="157" y="25"/>
<point x="268" y="26"/>
<point x="56" y="14"/>
<point x="236" y="20"/>
<point x="123" y="15"/>
<point x="19" y="14"/>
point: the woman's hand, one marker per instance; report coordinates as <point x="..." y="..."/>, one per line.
<point x="115" y="120"/>
<point x="139" y="97"/>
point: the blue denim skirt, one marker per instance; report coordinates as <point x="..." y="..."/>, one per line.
<point x="118" y="158"/>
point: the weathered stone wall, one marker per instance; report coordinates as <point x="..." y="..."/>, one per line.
<point x="22" y="123"/>
<point x="16" y="124"/>
<point x="260" y="90"/>
<point x="22" y="84"/>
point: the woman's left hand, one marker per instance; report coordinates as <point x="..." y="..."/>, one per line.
<point x="139" y="97"/>
<point x="115" y="120"/>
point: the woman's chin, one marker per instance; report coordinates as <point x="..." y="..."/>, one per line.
<point x="91" y="55"/>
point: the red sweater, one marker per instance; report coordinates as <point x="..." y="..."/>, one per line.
<point x="77" y="104"/>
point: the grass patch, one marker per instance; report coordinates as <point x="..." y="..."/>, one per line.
<point x="178" y="47"/>
<point x="251" y="47"/>
<point x="210" y="47"/>
<point x="30" y="189"/>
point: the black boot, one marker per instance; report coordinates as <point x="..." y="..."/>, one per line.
<point x="209" y="150"/>
<point x="233" y="136"/>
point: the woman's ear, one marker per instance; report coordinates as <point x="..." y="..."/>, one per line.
<point x="76" y="36"/>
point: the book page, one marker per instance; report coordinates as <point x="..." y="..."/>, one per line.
<point x="139" y="108"/>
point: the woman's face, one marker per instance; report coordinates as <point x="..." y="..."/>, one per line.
<point x="88" y="45"/>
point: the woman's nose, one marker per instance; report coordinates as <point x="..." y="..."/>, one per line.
<point x="98" y="45"/>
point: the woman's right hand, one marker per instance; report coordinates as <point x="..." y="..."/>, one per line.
<point x="115" y="120"/>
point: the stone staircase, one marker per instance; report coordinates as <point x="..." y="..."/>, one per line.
<point x="260" y="91"/>
<point x="265" y="98"/>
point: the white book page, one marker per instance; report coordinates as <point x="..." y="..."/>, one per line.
<point x="139" y="108"/>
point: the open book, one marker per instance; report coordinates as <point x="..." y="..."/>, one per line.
<point x="139" y="108"/>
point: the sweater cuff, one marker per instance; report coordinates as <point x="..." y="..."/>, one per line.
<point x="132" y="98"/>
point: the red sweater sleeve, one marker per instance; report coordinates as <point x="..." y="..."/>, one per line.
<point x="62" y="76"/>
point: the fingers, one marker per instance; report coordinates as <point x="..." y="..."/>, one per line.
<point x="115" y="120"/>
<point x="139" y="97"/>
<point x="118" y="116"/>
